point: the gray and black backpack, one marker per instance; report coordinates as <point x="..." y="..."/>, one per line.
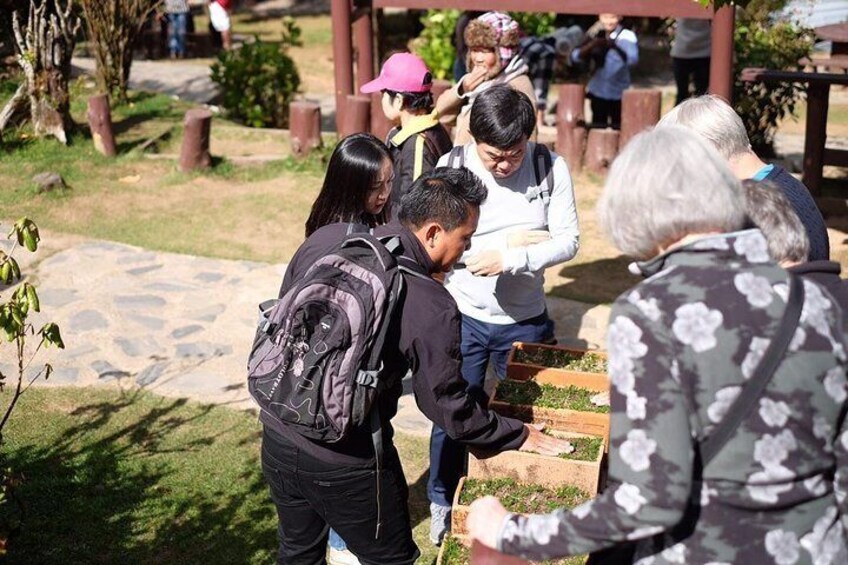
<point x="316" y="359"/>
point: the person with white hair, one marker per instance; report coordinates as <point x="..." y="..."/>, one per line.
<point x="728" y="442"/>
<point x="712" y="118"/>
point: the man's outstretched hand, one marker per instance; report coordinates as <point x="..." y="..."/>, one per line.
<point x="543" y="444"/>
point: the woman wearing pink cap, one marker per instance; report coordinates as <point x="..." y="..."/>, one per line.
<point x="492" y="41"/>
<point x="418" y="139"/>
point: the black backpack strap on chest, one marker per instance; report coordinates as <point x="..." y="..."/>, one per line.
<point x="544" y="171"/>
<point x="753" y="389"/>
<point x="456" y="158"/>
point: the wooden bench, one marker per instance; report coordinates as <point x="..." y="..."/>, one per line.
<point x="816" y="154"/>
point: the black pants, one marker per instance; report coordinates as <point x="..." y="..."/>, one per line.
<point x="312" y="495"/>
<point x="605" y="112"/>
<point x="694" y="70"/>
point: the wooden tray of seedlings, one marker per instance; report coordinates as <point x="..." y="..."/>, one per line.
<point x="456" y="550"/>
<point x="525" y="498"/>
<point x="567" y="408"/>
<point x="580" y="468"/>
<point x="558" y="366"/>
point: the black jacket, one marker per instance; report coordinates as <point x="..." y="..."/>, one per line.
<point x="425" y="338"/>
<point x="424" y="138"/>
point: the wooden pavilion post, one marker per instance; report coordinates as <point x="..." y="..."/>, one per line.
<point x="342" y="56"/>
<point x="721" y="54"/>
<point x="364" y="35"/>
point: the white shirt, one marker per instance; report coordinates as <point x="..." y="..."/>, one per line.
<point x="517" y="294"/>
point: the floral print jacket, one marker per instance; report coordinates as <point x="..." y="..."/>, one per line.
<point x="681" y="345"/>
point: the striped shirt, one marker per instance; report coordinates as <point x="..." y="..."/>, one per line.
<point x="176" y="6"/>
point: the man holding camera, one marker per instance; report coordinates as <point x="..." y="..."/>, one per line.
<point x="613" y="50"/>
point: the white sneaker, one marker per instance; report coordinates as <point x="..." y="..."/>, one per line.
<point x="341" y="557"/>
<point x="440" y="517"/>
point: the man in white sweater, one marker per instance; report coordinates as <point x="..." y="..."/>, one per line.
<point x="527" y="224"/>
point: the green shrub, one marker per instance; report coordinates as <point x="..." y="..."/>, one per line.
<point x="259" y="80"/>
<point x="534" y="24"/>
<point x="435" y="43"/>
<point x="762" y="41"/>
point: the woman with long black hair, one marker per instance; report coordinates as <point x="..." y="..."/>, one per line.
<point x="357" y="186"/>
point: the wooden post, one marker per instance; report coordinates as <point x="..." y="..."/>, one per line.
<point x="362" y="28"/>
<point x="571" y="126"/>
<point x="100" y="121"/>
<point x="640" y="110"/>
<point x="356" y="115"/>
<point x="342" y="56"/>
<point x="601" y="149"/>
<point x="305" y="127"/>
<point x="571" y="144"/>
<point x="721" y="53"/>
<point x="380" y="124"/>
<point x="194" y="153"/>
<point x="815" y="136"/>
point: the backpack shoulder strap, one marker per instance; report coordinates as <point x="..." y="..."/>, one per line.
<point x="456" y="160"/>
<point x="753" y="390"/>
<point x="544" y="170"/>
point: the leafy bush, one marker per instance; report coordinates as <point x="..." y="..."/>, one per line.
<point x="259" y="80"/>
<point x="762" y="41"/>
<point x="435" y="43"/>
<point x="534" y="24"/>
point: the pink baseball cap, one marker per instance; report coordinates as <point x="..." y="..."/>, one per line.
<point x="402" y="72"/>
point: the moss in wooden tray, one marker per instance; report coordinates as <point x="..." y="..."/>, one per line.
<point x="547" y="396"/>
<point x="585" y="448"/>
<point x="521" y="497"/>
<point x="560" y="359"/>
<point x="454" y="552"/>
<point x="457" y="554"/>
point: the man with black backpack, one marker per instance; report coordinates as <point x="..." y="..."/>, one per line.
<point x="527" y="224"/>
<point x="327" y="451"/>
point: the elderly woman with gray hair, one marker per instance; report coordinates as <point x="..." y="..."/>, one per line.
<point x="727" y="442"/>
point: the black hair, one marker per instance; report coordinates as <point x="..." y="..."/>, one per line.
<point x="444" y="196"/>
<point x="353" y="171"/>
<point x="501" y="117"/>
<point x="414" y="101"/>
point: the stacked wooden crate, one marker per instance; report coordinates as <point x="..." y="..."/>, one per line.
<point x="579" y="474"/>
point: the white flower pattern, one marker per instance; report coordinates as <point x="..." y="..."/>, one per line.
<point x="783" y="546"/>
<point x="834" y="384"/>
<point x="630" y="498"/>
<point x="637" y="449"/>
<point x="723" y="399"/>
<point x="636" y="406"/>
<point x="757" y="290"/>
<point x="648" y="307"/>
<point x="774" y="414"/>
<point x="541" y="529"/>
<point x="625" y="339"/>
<point x="695" y="325"/>
<point x="753" y="247"/>
<point x="754" y="356"/>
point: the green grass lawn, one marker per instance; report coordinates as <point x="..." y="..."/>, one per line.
<point x="130" y="477"/>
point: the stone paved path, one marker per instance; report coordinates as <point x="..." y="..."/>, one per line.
<point x="180" y="325"/>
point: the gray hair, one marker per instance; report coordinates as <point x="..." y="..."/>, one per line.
<point x="712" y="118"/>
<point x="668" y="183"/>
<point x="770" y="210"/>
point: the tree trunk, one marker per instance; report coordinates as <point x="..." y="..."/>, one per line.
<point x="45" y="48"/>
